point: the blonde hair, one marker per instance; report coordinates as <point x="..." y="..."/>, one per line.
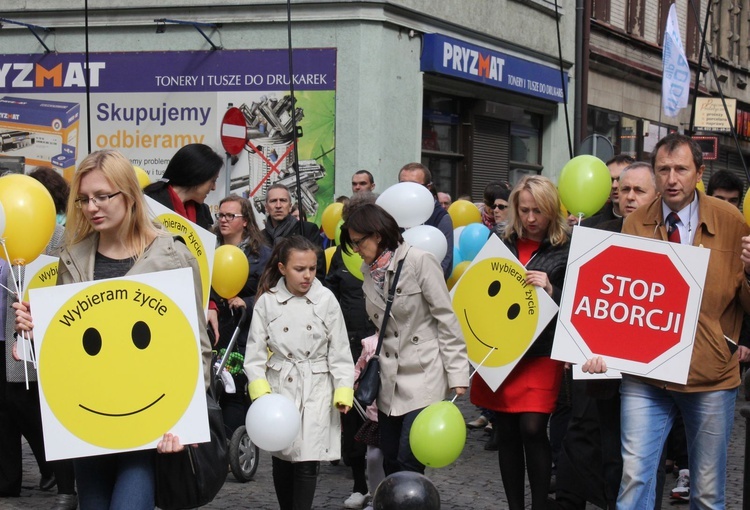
<point x="547" y="200"/>
<point x="137" y="230"/>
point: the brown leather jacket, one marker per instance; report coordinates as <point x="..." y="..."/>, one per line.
<point x="726" y="292"/>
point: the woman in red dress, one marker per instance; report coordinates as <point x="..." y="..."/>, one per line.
<point x="538" y="235"/>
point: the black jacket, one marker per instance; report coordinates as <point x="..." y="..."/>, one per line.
<point x="553" y="260"/>
<point x="348" y="291"/>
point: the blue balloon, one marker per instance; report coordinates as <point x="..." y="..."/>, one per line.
<point x="472" y="240"/>
<point x="457" y="258"/>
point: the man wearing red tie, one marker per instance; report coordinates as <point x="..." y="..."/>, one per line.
<point x="684" y="215"/>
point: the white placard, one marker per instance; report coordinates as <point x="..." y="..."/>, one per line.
<point x="498" y="311"/>
<point x="634" y="301"/>
<point x="119" y="364"/>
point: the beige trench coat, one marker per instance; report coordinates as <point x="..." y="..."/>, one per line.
<point x="310" y="360"/>
<point x="423" y="353"/>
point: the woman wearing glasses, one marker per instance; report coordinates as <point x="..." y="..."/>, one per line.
<point x="495" y="212"/>
<point x="423" y="355"/>
<point x="235" y="225"/>
<point x="109" y="235"/>
<point x="538" y="235"/>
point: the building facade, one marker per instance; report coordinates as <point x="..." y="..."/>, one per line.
<point x="475" y="90"/>
<point x="625" y="74"/>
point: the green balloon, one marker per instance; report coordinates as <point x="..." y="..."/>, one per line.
<point x="584" y="185"/>
<point x="438" y="434"/>
<point x="353" y="263"/>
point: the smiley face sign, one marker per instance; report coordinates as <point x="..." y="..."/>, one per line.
<point x="500" y="315"/>
<point x="496" y="310"/>
<point x="200" y="242"/>
<point x="119" y="362"/>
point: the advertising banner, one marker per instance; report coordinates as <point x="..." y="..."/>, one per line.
<point x="149" y="104"/>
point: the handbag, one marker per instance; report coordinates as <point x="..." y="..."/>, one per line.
<point x="368" y="383"/>
<point x="193" y="477"/>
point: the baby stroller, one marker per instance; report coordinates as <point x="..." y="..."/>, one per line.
<point x="243" y="454"/>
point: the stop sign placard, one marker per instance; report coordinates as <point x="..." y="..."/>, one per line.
<point x="633" y="301"/>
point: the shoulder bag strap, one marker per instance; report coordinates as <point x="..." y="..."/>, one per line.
<point x="388" y="304"/>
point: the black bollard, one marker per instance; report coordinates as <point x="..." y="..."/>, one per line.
<point x="406" y="490"/>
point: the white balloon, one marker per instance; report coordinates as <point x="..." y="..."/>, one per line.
<point x="2" y="220"/>
<point x="429" y="239"/>
<point x="409" y="203"/>
<point x="273" y="422"/>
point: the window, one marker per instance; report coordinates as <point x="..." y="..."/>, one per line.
<point x="600" y="10"/>
<point x="693" y="42"/>
<point x="441" y="144"/>
<point x="635" y="17"/>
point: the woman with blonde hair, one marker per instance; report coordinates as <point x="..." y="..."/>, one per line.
<point x="109" y="235"/>
<point x="538" y="235"/>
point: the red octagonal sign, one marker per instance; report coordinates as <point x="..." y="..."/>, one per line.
<point x="625" y="293"/>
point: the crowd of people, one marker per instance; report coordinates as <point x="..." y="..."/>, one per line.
<point x="310" y="330"/>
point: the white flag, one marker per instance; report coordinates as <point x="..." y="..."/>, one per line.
<point x="675" y="86"/>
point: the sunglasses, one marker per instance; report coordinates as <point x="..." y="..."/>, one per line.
<point x="502" y="207"/>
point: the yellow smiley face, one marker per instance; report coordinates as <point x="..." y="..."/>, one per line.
<point x="178" y="225"/>
<point x="496" y="310"/>
<point x="118" y="364"/>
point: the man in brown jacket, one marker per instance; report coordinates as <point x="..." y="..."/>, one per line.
<point x="706" y="401"/>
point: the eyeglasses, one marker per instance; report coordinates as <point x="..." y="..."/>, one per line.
<point x="98" y="200"/>
<point x="355" y="244"/>
<point x="227" y="216"/>
<point x="497" y="206"/>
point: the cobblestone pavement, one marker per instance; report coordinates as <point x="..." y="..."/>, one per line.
<point x="472" y="482"/>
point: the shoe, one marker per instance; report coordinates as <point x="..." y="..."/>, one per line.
<point x="47" y="482"/>
<point x="65" y="502"/>
<point x="488" y="428"/>
<point x="356" y="500"/>
<point x="480" y="422"/>
<point x="682" y="489"/>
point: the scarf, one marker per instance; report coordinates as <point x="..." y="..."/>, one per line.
<point x="283" y="229"/>
<point x="379" y="267"/>
<point x="186" y="210"/>
<point x="488" y="217"/>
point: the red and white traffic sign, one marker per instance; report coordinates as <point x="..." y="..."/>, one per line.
<point x="633" y="301"/>
<point x="233" y="131"/>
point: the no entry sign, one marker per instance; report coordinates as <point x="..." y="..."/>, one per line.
<point x="233" y="131"/>
<point x="633" y="301"/>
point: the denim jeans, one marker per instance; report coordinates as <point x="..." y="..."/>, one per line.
<point x="647" y="415"/>
<point x="120" y="481"/>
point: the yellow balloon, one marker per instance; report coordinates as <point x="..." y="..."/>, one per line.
<point x="330" y="219"/>
<point x="230" y="271"/>
<point x="457" y="273"/>
<point x="463" y="213"/>
<point x="700" y="186"/>
<point x="329" y="255"/>
<point x="746" y="208"/>
<point x="143" y="178"/>
<point x="30" y="217"/>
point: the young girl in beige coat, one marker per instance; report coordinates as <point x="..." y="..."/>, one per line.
<point x="300" y="322"/>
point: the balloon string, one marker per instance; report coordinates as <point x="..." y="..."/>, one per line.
<point x="18" y="297"/>
<point x="476" y="369"/>
<point x="580" y="217"/>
